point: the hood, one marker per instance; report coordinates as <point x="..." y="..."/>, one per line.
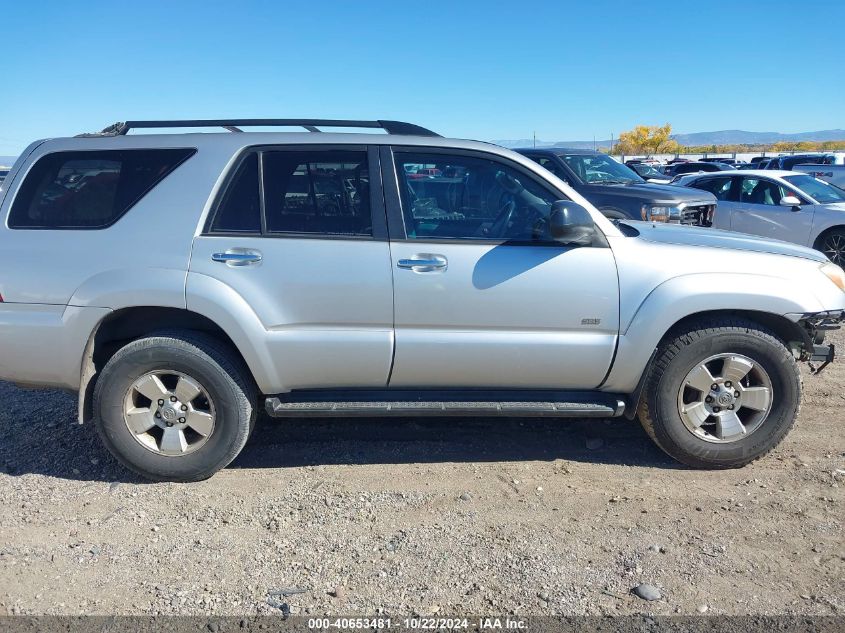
<point x="714" y="238"/>
<point x="834" y="206"/>
<point x="650" y="192"/>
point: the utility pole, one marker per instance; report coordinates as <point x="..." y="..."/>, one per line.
<point x="611" y="143"/>
<point x="535" y="139"/>
<point x="594" y="142"/>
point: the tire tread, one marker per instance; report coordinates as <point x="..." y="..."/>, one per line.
<point x="202" y="345"/>
<point x="686" y="335"/>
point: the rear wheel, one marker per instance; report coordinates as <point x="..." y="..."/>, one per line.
<point x="176" y="406"/>
<point x="721" y="393"/>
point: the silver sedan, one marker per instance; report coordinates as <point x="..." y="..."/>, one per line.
<point x="784" y="205"/>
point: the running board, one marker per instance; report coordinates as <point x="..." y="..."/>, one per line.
<point x="363" y="403"/>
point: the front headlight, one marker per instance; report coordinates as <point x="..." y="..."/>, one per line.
<point x="661" y="213"/>
<point x="835" y="274"/>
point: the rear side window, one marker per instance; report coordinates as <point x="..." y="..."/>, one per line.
<point x="719" y="187"/>
<point x="89" y="190"/>
<point x="240" y="208"/>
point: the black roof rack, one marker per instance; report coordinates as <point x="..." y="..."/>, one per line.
<point x="235" y="125"/>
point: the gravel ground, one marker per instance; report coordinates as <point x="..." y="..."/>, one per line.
<point x="448" y="516"/>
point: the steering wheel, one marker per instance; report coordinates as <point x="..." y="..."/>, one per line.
<point x="504" y="216"/>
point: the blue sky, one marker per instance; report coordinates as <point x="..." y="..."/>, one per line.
<point x="475" y="69"/>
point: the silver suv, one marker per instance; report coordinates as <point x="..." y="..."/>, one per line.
<point x="177" y="281"/>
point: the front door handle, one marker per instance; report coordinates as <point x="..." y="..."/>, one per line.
<point x="237" y="257"/>
<point x="424" y="263"/>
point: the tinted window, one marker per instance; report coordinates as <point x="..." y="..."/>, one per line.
<point x="760" y="191"/>
<point x="240" y="207"/>
<point x="90" y="190"/>
<point x="791" y="161"/>
<point x="325" y="192"/>
<point x="550" y="164"/>
<point x="691" y="168"/>
<point x="463" y="197"/>
<point x="684" y="169"/>
<point x="719" y="187"/>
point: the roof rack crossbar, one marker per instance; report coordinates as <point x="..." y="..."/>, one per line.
<point x="235" y="125"/>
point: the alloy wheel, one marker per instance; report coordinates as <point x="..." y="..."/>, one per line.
<point x="169" y="413"/>
<point x="725" y="398"/>
<point x="834" y="248"/>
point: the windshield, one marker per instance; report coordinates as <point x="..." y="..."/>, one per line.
<point x="647" y="171"/>
<point x="817" y="189"/>
<point x="600" y="169"/>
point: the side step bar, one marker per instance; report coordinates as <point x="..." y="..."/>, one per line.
<point x="357" y="403"/>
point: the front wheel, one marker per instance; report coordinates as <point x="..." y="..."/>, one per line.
<point x="720" y="394"/>
<point x="177" y="406"/>
<point x="832" y="244"/>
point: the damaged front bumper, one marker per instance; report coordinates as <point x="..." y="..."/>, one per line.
<point x="815" y="325"/>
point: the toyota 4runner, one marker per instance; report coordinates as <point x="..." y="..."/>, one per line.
<point x="179" y="281"/>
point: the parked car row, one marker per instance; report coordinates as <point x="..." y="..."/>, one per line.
<point x="796" y="206"/>
<point x="655" y="171"/>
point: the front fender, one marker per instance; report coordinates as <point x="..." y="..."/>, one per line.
<point x="691" y="294"/>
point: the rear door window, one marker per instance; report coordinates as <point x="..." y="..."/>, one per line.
<point x="719" y="187"/>
<point x="317" y="192"/>
<point x="89" y="189"/>
<point x="761" y="191"/>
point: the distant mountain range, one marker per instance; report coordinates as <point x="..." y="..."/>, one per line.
<point x="7" y="160"/>
<point x="722" y="137"/>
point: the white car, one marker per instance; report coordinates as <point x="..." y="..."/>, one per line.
<point x="784" y="205"/>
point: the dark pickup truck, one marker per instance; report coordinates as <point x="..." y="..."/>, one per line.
<point x="618" y="192"/>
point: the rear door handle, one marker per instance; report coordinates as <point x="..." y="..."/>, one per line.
<point x="424" y="263"/>
<point x="237" y="257"/>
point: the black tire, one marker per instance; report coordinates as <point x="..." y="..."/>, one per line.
<point x="690" y="345"/>
<point x="831" y="244"/>
<point x="221" y="373"/>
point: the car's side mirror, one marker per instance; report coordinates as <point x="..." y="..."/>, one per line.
<point x="790" y="201"/>
<point x="571" y="224"/>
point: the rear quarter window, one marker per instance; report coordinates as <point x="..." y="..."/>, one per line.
<point x="89" y="189"/>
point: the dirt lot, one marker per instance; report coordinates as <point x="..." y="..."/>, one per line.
<point x="447" y="516"/>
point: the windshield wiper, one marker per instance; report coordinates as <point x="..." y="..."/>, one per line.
<point x="612" y="182"/>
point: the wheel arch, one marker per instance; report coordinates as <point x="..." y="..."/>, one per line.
<point x="127" y="324"/>
<point x="765" y="299"/>
<point x="787" y="331"/>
